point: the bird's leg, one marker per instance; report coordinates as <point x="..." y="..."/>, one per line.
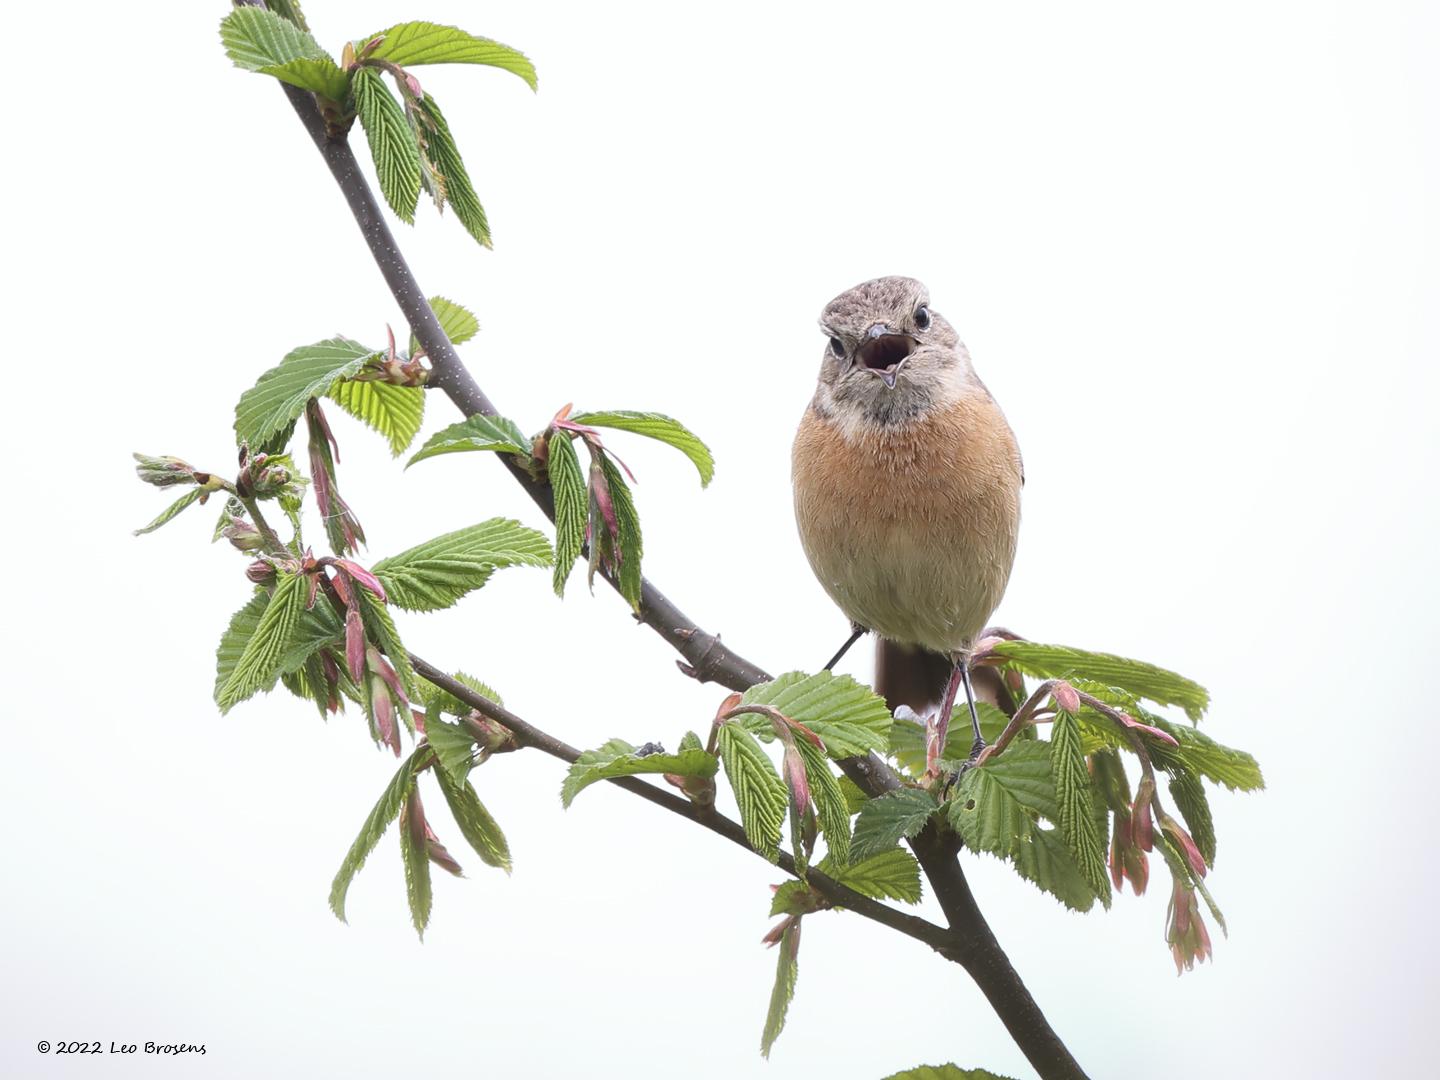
<point x="856" y="634"/>
<point x="979" y="744"/>
<point x="939" y="723"/>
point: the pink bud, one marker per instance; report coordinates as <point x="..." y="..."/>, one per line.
<point x="354" y="644"/>
<point x="796" y="779"/>
<point x="363" y="577"/>
<point x="260" y="572"/>
<point x="1065" y="696"/>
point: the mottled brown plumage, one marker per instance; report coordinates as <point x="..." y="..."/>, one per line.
<point x="907" y="476"/>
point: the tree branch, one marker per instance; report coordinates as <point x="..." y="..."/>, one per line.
<point x="969" y="941"/>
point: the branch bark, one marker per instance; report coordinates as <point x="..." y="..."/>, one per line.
<point x="969" y="940"/>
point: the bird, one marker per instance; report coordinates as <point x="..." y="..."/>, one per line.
<point x="907" y="481"/>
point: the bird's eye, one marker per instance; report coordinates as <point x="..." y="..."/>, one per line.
<point x="837" y="347"/>
<point x="922" y="317"/>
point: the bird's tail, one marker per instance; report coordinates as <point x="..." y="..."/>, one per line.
<point x="905" y="675"/>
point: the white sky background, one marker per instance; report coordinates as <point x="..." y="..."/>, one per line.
<point x="1193" y="255"/>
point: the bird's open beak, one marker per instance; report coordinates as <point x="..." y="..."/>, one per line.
<point x="885" y="351"/>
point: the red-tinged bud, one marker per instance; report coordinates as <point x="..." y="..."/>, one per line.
<point x="363" y="577"/>
<point x="354" y="644"/>
<point x="392" y="680"/>
<point x="1126" y="858"/>
<point x="1181" y="839"/>
<point x="795" y="778"/>
<point x="342" y="589"/>
<point x="729" y="703"/>
<point x="163" y="471"/>
<point x="1185" y="930"/>
<point x="1065" y="696"/>
<point x="700" y="790"/>
<point x="414" y="85"/>
<point x="260" y="572"/>
<point x="438" y="855"/>
<point x="777" y="931"/>
<point x="242" y="535"/>
<point x="1015" y="681"/>
<point x="600" y="492"/>
<point x="1153" y="732"/>
<point x="491" y="736"/>
<point x="332" y="680"/>
<point x="1142" y="823"/>
<point x="382" y="704"/>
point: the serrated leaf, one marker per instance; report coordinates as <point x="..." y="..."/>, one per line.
<point x="945" y="1072"/>
<point x="1147" y="680"/>
<point x="386" y="810"/>
<point x="392" y="144"/>
<point x="278" y="398"/>
<point x="630" y="544"/>
<point x="480" y="830"/>
<point x="572" y="504"/>
<point x="475" y="433"/>
<point x="618" y="758"/>
<point x="451" y="182"/>
<point x="831" y="808"/>
<point x="453" y="746"/>
<point x="381" y="627"/>
<point x="412" y="43"/>
<point x="457" y="322"/>
<point x="854" y="797"/>
<point x="759" y="792"/>
<point x="258" y="665"/>
<point x="434" y="575"/>
<point x="1194" y="807"/>
<point x="171" y="512"/>
<point x="787" y="968"/>
<point x="1079" y="826"/>
<point x="987" y="811"/>
<point x="396" y="412"/>
<point x="238" y="633"/>
<point x="262" y="41"/>
<point x="440" y="700"/>
<point x="850" y="718"/>
<point x="886" y="820"/>
<point x="416" y="857"/>
<point x="1234" y="769"/>
<point x="657" y="426"/>
<point x="318" y="75"/>
<point x="891" y="875"/>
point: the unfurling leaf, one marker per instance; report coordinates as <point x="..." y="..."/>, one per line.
<point x="172" y="511"/>
<point x="619" y="758"/>
<point x="628" y="543"/>
<point x="657" y="426"/>
<point x="392" y="144"/>
<point x="447" y="180"/>
<point x="416" y="857"/>
<point x="454" y="747"/>
<point x="850" y="718"/>
<point x="1080" y="827"/>
<point x="384" y="812"/>
<point x="457" y="322"/>
<point x="571" y="505"/>
<point x="886" y="820"/>
<point x="759" y="791"/>
<point x="1146" y="680"/>
<point x="831" y="809"/>
<point x="258" y="665"/>
<point x="475" y="433"/>
<point x="412" y="43"/>
<point x="262" y="41"/>
<point x="434" y="575"/>
<point x="787" y="967"/>
<point x="270" y="407"/>
<point x="945" y="1072"/>
<point x="1190" y="800"/>
<point x="477" y="826"/>
<point x="395" y="412"/>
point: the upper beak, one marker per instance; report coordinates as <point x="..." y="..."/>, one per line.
<point x="885" y="351"/>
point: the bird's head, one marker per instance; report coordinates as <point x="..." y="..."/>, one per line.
<point x="888" y="355"/>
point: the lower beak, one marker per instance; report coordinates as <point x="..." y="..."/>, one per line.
<point x="889" y="375"/>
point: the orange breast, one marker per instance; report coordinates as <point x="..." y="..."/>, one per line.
<point x="912" y="531"/>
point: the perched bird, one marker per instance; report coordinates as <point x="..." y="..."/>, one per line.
<point x="907" y="494"/>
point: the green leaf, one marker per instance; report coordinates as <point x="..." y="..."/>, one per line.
<point x="290" y="9"/>
<point x="261" y="41"/>
<point x="631" y="545"/>
<point x="907" y="737"/>
<point x="831" y="809"/>
<point x="237" y="634"/>
<point x="854" y="797"/>
<point x="454" y="748"/>
<point x="1079" y="826"/>
<point x="386" y="810"/>
<point x="457" y="322"/>
<point x="438" y="700"/>
<point x="413" y="43"/>
<point x="392" y="144"/>
<point x="1199" y="753"/>
<point x="258" y="665"/>
<point x="988" y="812"/>
<point x="171" y="511"/>
<point x="475" y="433"/>
<point x="396" y="412"/>
<point x="891" y="875"/>
<point x="657" y="426"/>
<point x="572" y="504"/>
<point x="434" y="575"/>
<point x="886" y="820"/>
<point x="1147" y="680"/>
<point x="381" y="627"/>
<point x="850" y="718"/>
<point x="1190" y="800"/>
<point x="945" y="1072"/>
<point x="277" y="399"/>
<point x="618" y="758"/>
<point x="450" y="181"/>
<point x="477" y="826"/>
<point x="787" y="967"/>
<point x="760" y="793"/>
<point x="416" y="857"/>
